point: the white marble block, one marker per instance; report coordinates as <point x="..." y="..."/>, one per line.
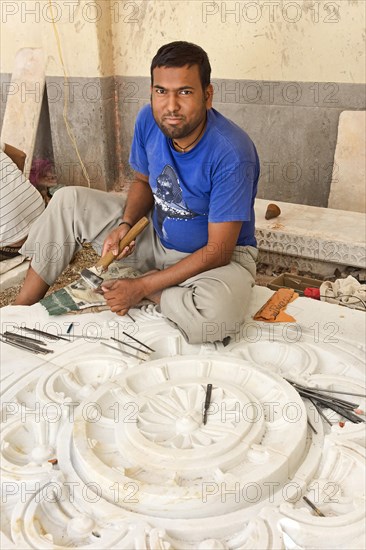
<point x="348" y="186"/>
<point x="24" y="102"/>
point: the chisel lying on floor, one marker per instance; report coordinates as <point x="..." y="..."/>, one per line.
<point x="91" y="276"/>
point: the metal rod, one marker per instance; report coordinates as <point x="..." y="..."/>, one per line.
<point x="130" y="316"/>
<point x="48" y="334"/>
<point x="138" y="341"/>
<point x="16" y="336"/>
<point x="335" y="407"/>
<point x="207" y="402"/>
<point x="88" y="336"/>
<point x="326" y="390"/>
<point x="346" y="413"/>
<point x="129" y="345"/>
<point x="334" y="391"/>
<point x="311" y="426"/>
<point x="124" y="352"/>
<point x="317" y="393"/>
<point x="316" y="510"/>
<point x="320" y="411"/>
<point x="29" y="345"/>
<point x="26" y="347"/>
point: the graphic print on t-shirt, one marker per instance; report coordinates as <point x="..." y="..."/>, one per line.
<point x="169" y="199"/>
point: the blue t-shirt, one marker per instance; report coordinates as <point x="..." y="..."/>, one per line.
<point x="216" y="181"/>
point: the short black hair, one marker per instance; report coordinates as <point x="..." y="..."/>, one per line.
<point x="179" y="54"/>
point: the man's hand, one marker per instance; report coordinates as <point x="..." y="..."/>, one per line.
<point x="122" y="294"/>
<point x="140" y="201"/>
<point x="112" y="240"/>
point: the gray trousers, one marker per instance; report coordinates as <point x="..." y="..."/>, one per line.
<point x="206" y="308"/>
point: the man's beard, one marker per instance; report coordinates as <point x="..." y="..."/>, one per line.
<point x="182" y="132"/>
<point x="173" y="132"/>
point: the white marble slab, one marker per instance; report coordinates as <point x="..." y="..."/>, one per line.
<point x="137" y="468"/>
<point x="24" y="102"/>
<point x="348" y="186"/>
<point x="321" y="234"/>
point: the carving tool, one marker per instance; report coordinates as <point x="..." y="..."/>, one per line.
<point x="333" y="391"/>
<point x="316" y="510"/>
<point x="129" y="345"/>
<point x="85" y="337"/>
<point x="207" y="402"/>
<point x="138" y="341"/>
<point x="324" y="417"/>
<point x="345" y="413"/>
<point x="46" y="334"/>
<point x="311" y="426"/>
<point x="331" y="404"/>
<point x="25" y="346"/>
<point x="20" y="337"/>
<point x="91" y="275"/>
<point x="343" y="408"/>
<point x="123" y="352"/>
<point x="319" y="393"/>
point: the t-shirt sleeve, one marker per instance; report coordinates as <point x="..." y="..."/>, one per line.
<point x="138" y="157"/>
<point x="232" y="189"/>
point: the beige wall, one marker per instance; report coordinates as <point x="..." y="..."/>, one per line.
<point x="282" y="40"/>
<point x="28" y="23"/>
<point x="287" y="40"/>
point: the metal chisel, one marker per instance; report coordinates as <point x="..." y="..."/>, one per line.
<point x="91" y="276"/>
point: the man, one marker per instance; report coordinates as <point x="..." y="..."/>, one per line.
<point x="196" y="175"/>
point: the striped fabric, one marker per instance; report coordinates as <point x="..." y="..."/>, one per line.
<point x="20" y="203"/>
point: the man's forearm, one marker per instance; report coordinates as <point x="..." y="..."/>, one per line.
<point x="140" y="201"/>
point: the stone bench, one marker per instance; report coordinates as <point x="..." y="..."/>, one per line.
<point x="311" y="238"/>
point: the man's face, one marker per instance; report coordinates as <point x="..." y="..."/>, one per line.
<point x="178" y="102"/>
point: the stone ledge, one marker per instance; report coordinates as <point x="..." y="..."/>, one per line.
<point x="14" y="276"/>
<point x="321" y="234"/>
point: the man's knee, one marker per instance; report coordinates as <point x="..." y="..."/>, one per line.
<point x="68" y="195"/>
<point x="209" y="309"/>
<point x="217" y="331"/>
<point x="220" y="317"/>
<point x="225" y="320"/>
<point x="206" y="331"/>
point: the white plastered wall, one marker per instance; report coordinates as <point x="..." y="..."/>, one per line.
<point x="300" y="40"/>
